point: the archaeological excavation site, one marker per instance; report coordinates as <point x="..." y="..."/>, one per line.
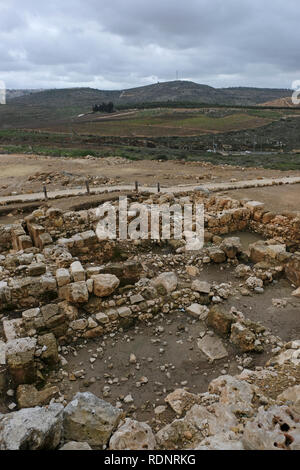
<point x="110" y="344"/>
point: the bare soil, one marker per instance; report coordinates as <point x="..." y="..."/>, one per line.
<point x="16" y="172"/>
<point x="276" y="198"/>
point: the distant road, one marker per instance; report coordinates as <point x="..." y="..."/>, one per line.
<point x="151" y="189"/>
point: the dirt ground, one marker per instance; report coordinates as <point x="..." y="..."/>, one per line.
<point x="276" y="198"/>
<point x="27" y="173"/>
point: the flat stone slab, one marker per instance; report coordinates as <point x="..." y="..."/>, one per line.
<point x="212" y="347"/>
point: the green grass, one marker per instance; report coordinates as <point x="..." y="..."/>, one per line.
<point x="284" y="162"/>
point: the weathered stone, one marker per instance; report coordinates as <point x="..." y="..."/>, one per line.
<point x="128" y="272"/>
<point x="291" y="396"/>
<point x="180" y="434"/>
<point x="275" y="428"/>
<point x="77" y="271"/>
<point x="261" y="251"/>
<point x="133" y="435"/>
<point x="292" y="270"/>
<point x="124" y="312"/>
<point x="242" y="270"/>
<point x="49" y="311"/>
<point x="49" y="349"/>
<point x="20" y="360"/>
<point x="180" y="400"/>
<point x="166" y="281"/>
<point x="79" y="325"/>
<point x="201" y="286"/>
<point x="242" y="337"/>
<point x="221" y="441"/>
<point x="28" y="396"/>
<point x="231" y="246"/>
<point x="76" y="446"/>
<point x="90" y="419"/>
<point x="212" y="347"/>
<point x="13" y="329"/>
<point x="236" y="395"/>
<point x="63" y="277"/>
<point x="136" y="299"/>
<point x="198" y="311"/>
<point x="94" y="333"/>
<point x="102" y="318"/>
<point x="253" y="282"/>
<point x="32" y="428"/>
<point x="36" y="269"/>
<point x="255" y="205"/>
<point x="220" y="320"/>
<point x="296" y="293"/>
<point x="216" y="254"/>
<point x="105" y="284"/>
<point x="77" y="292"/>
<point x="192" y="271"/>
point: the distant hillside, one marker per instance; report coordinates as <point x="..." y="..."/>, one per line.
<point x="179" y="91"/>
<point x="11" y="94"/>
<point x="281" y="103"/>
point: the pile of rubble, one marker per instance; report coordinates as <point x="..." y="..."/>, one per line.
<point x="235" y="414"/>
<point x="65" y="178"/>
<point x="60" y="284"/>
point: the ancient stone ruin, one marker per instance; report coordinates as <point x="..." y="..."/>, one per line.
<point x="76" y="313"/>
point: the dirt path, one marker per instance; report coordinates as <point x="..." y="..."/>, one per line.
<point x="171" y="189"/>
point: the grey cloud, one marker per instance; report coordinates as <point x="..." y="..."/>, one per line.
<point x="117" y="44"/>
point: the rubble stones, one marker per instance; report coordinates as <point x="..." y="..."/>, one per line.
<point x="198" y="311"/>
<point x="166" y="282"/>
<point x="32" y="428"/>
<point x="63" y="277"/>
<point x="105" y="284"/>
<point x="77" y="271"/>
<point x="243" y="337"/>
<point x="73" y="445"/>
<point x="49" y="348"/>
<point x="20" y="360"/>
<point x="231" y="246"/>
<point x="212" y="347"/>
<point x="220" y="320"/>
<point x="276" y="428"/>
<point x="90" y="419"/>
<point x="217" y="255"/>
<point x="180" y="400"/>
<point x="28" y="396"/>
<point x="133" y="435"/>
<point x="77" y="292"/>
<point x="201" y="286"/>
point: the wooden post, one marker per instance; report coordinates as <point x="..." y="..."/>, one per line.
<point x="45" y="192"/>
<point x="87" y="184"/>
<point x="137" y="186"/>
<point x="158" y="187"/>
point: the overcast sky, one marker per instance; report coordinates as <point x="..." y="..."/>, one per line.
<point x="116" y="44"/>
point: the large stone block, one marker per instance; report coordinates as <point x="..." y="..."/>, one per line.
<point x="77" y="292"/>
<point x="20" y="360"/>
<point x="90" y="419"/>
<point x="32" y="428"/>
<point x="105" y="284"/>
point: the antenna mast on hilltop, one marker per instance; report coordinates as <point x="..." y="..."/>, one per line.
<point x="177" y="74"/>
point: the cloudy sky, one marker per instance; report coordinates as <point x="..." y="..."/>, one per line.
<point x="116" y="44"/>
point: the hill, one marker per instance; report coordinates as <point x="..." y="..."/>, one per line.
<point x="11" y="94"/>
<point x="281" y="103"/>
<point x="179" y="91"/>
